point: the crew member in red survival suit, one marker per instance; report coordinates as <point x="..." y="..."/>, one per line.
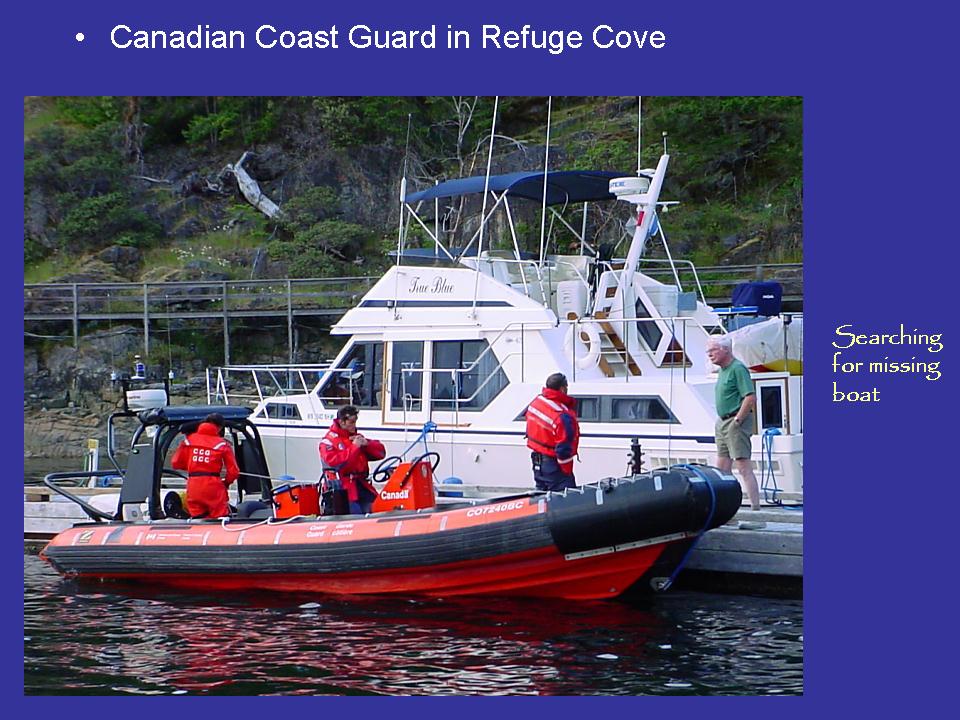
<point x="346" y="456"/>
<point x="553" y="434"/>
<point x="203" y="454"/>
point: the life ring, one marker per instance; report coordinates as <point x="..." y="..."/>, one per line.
<point x="592" y="356"/>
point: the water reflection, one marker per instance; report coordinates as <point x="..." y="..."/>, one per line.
<point x="83" y="639"/>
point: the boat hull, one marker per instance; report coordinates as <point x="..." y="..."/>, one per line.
<point x="592" y="542"/>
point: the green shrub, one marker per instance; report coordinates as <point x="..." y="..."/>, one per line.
<point x="250" y="119"/>
<point x="97" y="221"/>
<point x="211" y="128"/>
<point x="311" y="206"/>
<point x="328" y="247"/>
<point x="33" y="251"/>
<point x="90" y="111"/>
<point x="249" y="221"/>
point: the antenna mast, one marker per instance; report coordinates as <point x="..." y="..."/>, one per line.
<point x="546" y="168"/>
<point x="403" y="196"/>
<point x="483" y="205"/>
<point x="403" y="188"/>
<point x="486" y="179"/>
<point x="639" y="133"/>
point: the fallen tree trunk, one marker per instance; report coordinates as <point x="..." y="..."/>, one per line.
<point x="251" y="190"/>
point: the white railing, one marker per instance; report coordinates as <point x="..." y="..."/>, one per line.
<point x="266" y="381"/>
<point x="676" y="328"/>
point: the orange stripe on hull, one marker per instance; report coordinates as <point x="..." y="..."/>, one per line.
<point x="320" y="531"/>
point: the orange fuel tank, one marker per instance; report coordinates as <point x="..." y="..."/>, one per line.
<point x="294" y="500"/>
<point x="410" y="487"/>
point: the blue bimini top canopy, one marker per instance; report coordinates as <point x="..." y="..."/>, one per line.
<point x="563" y="186"/>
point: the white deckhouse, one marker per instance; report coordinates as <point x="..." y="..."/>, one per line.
<point x="464" y="339"/>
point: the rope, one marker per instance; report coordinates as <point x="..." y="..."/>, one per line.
<point x="428" y="427"/>
<point x="224" y="522"/>
<point x="271" y="522"/>
<point x="768" y="481"/>
<point x="706" y="526"/>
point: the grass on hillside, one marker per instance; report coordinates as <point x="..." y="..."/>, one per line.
<point x="50" y="267"/>
<point x="158" y="260"/>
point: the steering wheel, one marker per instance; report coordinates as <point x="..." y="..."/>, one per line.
<point x="177" y="473"/>
<point x="385" y="468"/>
<point x="433" y="457"/>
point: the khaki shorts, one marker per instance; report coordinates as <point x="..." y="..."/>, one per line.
<point x="733" y="441"/>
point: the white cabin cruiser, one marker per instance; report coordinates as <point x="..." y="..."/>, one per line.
<point x="454" y="343"/>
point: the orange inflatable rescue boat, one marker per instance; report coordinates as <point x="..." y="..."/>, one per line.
<point x="593" y="541"/>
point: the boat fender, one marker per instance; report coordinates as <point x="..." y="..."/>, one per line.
<point x="589" y="336"/>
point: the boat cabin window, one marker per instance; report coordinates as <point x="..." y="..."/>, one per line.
<point x="639" y="409"/>
<point x="357" y="378"/>
<point x="406" y="376"/>
<point x="473" y="389"/>
<point x="649" y="329"/>
<point x="281" y="411"/>
<point x="588" y="409"/>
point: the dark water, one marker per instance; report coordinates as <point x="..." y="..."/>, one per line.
<point x="105" y="640"/>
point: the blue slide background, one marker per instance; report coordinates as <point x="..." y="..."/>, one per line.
<point x="881" y="154"/>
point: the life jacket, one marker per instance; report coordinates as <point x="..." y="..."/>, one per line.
<point x="547" y="433"/>
<point x="348" y="463"/>
<point x="204" y="453"/>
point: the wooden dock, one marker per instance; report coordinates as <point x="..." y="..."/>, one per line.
<point x="776" y="549"/>
<point x="45" y="513"/>
<point x="744" y="559"/>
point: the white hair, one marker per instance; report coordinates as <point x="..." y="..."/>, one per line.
<point x="722" y="341"/>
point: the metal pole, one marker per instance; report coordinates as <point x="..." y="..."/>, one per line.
<point x="640" y="134"/>
<point x="546" y="170"/>
<point x="436" y="224"/>
<point x="289" y="321"/>
<point x="146" y="324"/>
<point x="583" y="229"/>
<point x="76" y="318"/>
<point x="226" y="328"/>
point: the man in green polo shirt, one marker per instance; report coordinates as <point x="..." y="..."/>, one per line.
<point x="736" y="400"/>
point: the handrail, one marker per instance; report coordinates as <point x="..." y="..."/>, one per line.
<point x="90" y="510"/>
<point x="272" y="370"/>
<point x="673" y="264"/>
<point x="522" y="263"/>
<point x="550" y="265"/>
<point x="681" y="319"/>
<point x="169" y="299"/>
<point x="217" y="284"/>
<point x="67" y="288"/>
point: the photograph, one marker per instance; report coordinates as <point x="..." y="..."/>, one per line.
<point x="413" y="395"/>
